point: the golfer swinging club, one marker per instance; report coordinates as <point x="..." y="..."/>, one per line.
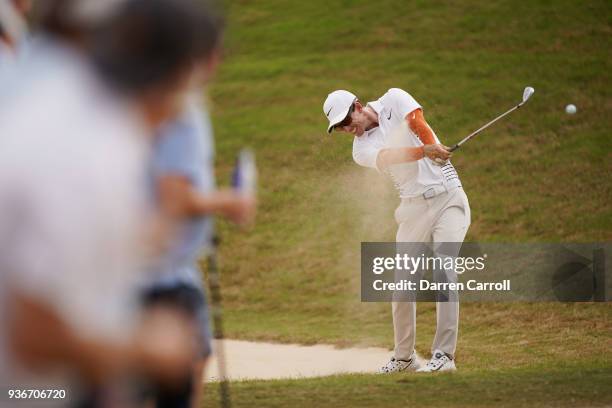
<point x="433" y="208"/>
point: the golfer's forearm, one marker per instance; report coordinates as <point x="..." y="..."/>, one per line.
<point x="417" y="123"/>
<point x="397" y="155"/>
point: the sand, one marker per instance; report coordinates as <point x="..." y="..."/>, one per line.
<point x="248" y="360"/>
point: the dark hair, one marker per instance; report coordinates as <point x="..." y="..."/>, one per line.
<point x="150" y="42"/>
<point x="54" y="17"/>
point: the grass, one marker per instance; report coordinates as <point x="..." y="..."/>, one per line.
<point x="566" y="386"/>
<point x="539" y="176"/>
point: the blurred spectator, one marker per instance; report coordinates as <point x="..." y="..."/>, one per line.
<point x="74" y="145"/>
<point x="183" y="170"/>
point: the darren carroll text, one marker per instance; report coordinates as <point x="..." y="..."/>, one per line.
<point x="424" y="284"/>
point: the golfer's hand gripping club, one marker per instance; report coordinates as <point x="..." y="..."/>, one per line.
<point x="437" y="153"/>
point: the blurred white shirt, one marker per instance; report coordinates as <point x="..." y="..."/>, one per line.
<point x="72" y="194"/>
<point x="8" y="64"/>
<point x="11" y="62"/>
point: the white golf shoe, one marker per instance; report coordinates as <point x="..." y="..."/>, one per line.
<point x="395" y="366"/>
<point x="440" y="361"/>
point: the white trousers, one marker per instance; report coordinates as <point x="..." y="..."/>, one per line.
<point x="443" y="218"/>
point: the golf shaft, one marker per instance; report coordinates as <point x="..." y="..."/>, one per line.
<point x="243" y="179"/>
<point x="217" y="314"/>
<point x="471" y="135"/>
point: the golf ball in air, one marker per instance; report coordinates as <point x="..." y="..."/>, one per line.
<point x="570" y="109"/>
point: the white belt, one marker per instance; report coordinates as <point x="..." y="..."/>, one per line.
<point x="432" y="192"/>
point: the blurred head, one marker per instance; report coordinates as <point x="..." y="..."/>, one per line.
<point x="149" y="50"/>
<point x="205" y="68"/>
<point x="72" y="21"/>
<point x="206" y="64"/>
<point x="23" y="6"/>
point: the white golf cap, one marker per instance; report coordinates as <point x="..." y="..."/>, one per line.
<point x="337" y="106"/>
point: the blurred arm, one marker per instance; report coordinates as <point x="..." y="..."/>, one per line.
<point x="179" y="199"/>
<point x="40" y="338"/>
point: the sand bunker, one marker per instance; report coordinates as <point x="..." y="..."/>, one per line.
<point x="248" y="360"/>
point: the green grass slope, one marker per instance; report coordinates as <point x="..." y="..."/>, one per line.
<point x="568" y="386"/>
<point x="539" y="176"/>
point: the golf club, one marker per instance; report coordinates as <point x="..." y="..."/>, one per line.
<point x="526" y="95"/>
<point x="244" y="179"/>
<point x="217" y="315"/>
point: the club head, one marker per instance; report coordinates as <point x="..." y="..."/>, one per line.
<point x="527" y="93"/>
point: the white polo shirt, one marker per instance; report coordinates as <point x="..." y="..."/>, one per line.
<point x="411" y="179"/>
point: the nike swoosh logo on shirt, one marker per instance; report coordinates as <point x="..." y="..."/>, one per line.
<point x="389" y="118"/>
